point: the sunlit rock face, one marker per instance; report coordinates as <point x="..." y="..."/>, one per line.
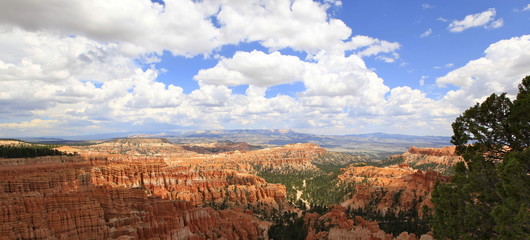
<point x="390" y="189"/>
<point x="135" y="190"/>
<point x="438" y="159"/>
<point x="153" y="189"/>
<point x="338" y="225"/>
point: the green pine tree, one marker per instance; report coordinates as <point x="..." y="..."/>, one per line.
<point x="489" y="195"/>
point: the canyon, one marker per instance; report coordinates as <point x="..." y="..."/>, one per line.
<point x="138" y="188"/>
<point x="438" y="159"/>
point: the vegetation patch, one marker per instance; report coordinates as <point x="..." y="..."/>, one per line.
<point x="27" y="151"/>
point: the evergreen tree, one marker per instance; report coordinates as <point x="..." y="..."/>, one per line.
<point x="488" y="197"/>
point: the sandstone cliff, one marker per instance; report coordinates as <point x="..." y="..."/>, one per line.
<point x="153" y="189"/>
<point x="220" y="147"/>
<point x="438" y="159"/>
<point x="390" y="189"/>
<point x="337" y="225"/>
<point x="104" y="194"/>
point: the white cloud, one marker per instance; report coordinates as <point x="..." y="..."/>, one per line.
<point x="341" y="76"/>
<point x="35" y="123"/>
<point x="527" y="8"/>
<point x="254" y="68"/>
<point x="501" y="69"/>
<point x="484" y="19"/>
<point x="441" y="19"/>
<point x="407" y="101"/>
<point x="427" y="6"/>
<point x="185" y="27"/>
<point x="365" y="46"/>
<point x="426" y="33"/>
<point x="328" y="75"/>
<point x="301" y="24"/>
<point x="180" y="27"/>
<point x="496" y="24"/>
<point x="83" y="75"/>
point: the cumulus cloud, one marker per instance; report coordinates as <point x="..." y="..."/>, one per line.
<point x="341" y="76"/>
<point x="140" y="26"/>
<point x="501" y="69"/>
<point x="484" y="19"/>
<point x="87" y="70"/>
<point x="30" y="124"/>
<point x="186" y="27"/>
<point x="496" y="24"/>
<point x="253" y="68"/>
<point x="365" y="46"/>
<point x="328" y="75"/>
<point x="301" y="25"/>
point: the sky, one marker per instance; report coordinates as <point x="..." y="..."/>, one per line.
<point x="74" y="67"/>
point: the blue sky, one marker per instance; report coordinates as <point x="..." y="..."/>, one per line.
<point x="331" y="67"/>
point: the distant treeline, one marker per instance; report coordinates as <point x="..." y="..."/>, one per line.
<point x="24" y="151"/>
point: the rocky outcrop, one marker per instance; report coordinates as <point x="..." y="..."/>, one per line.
<point x="38" y="160"/>
<point x="286" y="159"/>
<point x="438" y="159"/>
<point x="136" y="147"/>
<point x="390" y="189"/>
<point x="118" y="213"/>
<point x="198" y="186"/>
<point x="220" y="147"/>
<point x="112" y="196"/>
<point x="152" y="189"/>
<point x="337" y="225"/>
<point x="339" y="159"/>
<point x="12" y="142"/>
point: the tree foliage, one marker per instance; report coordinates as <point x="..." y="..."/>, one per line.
<point x="25" y="151"/>
<point x="488" y="197"/>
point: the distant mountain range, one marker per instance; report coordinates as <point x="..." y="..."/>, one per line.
<point x="358" y="143"/>
<point x="371" y="143"/>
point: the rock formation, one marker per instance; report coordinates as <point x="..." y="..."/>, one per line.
<point x="338" y="226"/>
<point x="390" y="189"/>
<point x="438" y="159"/>
<point x="152" y="189"/>
<point x="134" y="190"/>
<point x="220" y="147"/>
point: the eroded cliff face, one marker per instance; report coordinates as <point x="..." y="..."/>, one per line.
<point x="136" y="147"/>
<point x="111" y="191"/>
<point x="338" y="225"/>
<point x="153" y="189"/>
<point x="390" y="190"/>
<point x="211" y="148"/>
<point x="198" y="186"/>
<point x="76" y="200"/>
<point x="438" y="159"/>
